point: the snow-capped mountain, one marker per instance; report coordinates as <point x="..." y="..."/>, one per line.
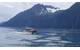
<point x="32" y="16"/>
<point x="40" y="9"/>
<point x="40" y="16"/>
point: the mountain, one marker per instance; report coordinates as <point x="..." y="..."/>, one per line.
<point x="39" y="16"/>
<point x="69" y="18"/>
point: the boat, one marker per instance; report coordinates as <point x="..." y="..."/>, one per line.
<point x="30" y="30"/>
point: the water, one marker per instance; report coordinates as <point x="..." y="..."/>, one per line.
<point x="43" y="38"/>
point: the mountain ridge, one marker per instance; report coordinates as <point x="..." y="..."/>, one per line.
<point x="68" y="19"/>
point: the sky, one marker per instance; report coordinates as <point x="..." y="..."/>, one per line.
<point x="10" y="9"/>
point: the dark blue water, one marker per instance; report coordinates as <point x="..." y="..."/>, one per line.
<point x="56" y="38"/>
<point x="42" y="38"/>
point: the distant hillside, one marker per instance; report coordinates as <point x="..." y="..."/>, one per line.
<point x="39" y="16"/>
